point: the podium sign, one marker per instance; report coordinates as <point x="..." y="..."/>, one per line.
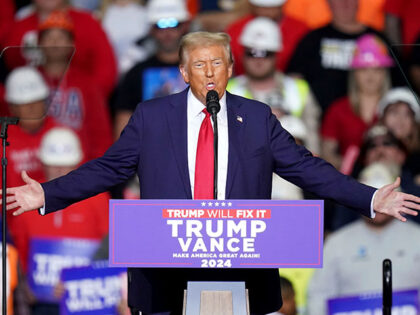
<point x="48" y="256"/>
<point x="216" y="234"/>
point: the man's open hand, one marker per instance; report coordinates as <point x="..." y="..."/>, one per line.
<point x="394" y="203"/>
<point x="25" y="198"/>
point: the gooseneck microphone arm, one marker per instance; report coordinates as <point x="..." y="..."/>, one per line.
<point x="213" y="107"/>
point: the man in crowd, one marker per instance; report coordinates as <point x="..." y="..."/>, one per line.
<point x="324" y="55"/>
<point x="164" y="143"/>
<point x="170" y="21"/>
<point x="75" y="102"/>
<point x="262" y="40"/>
<point x="292" y="30"/>
<point x="26" y="95"/>
<point x="94" y="55"/>
<point x="353" y="255"/>
<point x="60" y="152"/>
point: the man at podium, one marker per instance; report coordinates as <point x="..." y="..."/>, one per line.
<point x="168" y="143"/>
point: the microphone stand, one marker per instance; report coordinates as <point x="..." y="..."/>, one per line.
<point x="5" y="122"/>
<point x="215" y="149"/>
<point x="386" y="287"/>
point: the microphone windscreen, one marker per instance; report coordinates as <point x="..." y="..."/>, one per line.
<point x="212" y="102"/>
<point x="212" y="96"/>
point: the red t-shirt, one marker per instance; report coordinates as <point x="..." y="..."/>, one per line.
<point x="4" y="107"/>
<point x="85" y="219"/>
<point x="7" y="14"/>
<point x="291" y="29"/>
<point x="93" y="55"/>
<point x="79" y="105"/>
<point x="343" y="125"/>
<point x="22" y="153"/>
<point x="408" y="11"/>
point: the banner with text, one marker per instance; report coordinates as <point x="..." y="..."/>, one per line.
<point x="92" y="290"/>
<point x="403" y="303"/>
<point x="47" y="257"/>
<point x="216" y="234"/>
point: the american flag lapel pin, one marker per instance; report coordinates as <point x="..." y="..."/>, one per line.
<point x="239" y="118"/>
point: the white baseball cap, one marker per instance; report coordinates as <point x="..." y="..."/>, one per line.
<point x="60" y="147"/>
<point x="400" y="94"/>
<point x="261" y="33"/>
<point x="167" y="9"/>
<point x="25" y="85"/>
<point x="267" y="3"/>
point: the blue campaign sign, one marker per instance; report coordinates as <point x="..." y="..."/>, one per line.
<point x="404" y="303"/>
<point x="92" y="290"/>
<point x="216" y="233"/>
<point x="48" y="256"/>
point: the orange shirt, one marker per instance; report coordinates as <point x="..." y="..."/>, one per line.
<point x="316" y="13"/>
<point x="12" y="275"/>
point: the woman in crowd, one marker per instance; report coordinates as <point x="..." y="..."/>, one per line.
<point x="348" y="118"/>
<point x="400" y="112"/>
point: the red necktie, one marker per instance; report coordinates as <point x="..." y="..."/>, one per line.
<point x="204" y="162"/>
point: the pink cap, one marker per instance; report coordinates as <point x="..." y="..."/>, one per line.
<point x="370" y="51"/>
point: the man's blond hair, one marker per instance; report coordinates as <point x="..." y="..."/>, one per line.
<point x="193" y="40"/>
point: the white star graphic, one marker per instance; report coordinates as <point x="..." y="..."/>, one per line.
<point x="203" y="204"/>
<point x="223" y="204"/>
<point x="210" y="204"/>
<point x="216" y="204"/>
<point x="229" y="204"/>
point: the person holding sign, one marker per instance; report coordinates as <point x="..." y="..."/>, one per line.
<point x="164" y="143"/>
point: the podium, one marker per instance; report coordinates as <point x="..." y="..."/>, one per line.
<point x="211" y="234"/>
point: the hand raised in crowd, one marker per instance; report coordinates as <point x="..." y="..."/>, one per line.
<point x="27" y="197"/>
<point x="394" y="203"/>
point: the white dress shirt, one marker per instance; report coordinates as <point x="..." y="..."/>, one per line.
<point x="195" y="117"/>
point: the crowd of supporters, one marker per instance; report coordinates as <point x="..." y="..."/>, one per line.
<point x="342" y="76"/>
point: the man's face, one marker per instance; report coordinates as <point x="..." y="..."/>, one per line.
<point x="57" y="45"/>
<point x="31" y="116"/>
<point x="383" y="149"/>
<point x="168" y="38"/>
<point x="274" y="12"/>
<point x="53" y="172"/>
<point x="49" y="5"/>
<point x="379" y="221"/>
<point x="259" y="67"/>
<point x="344" y="11"/>
<point x="205" y="69"/>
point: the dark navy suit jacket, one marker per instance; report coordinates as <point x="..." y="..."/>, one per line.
<point x="154" y="145"/>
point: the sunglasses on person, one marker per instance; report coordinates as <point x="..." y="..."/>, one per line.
<point x="382" y="143"/>
<point x="259" y="53"/>
<point x="167" y="23"/>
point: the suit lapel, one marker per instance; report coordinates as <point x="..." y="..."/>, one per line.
<point x="177" y="123"/>
<point x="236" y="126"/>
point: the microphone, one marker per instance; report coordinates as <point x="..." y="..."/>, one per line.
<point x="213" y="107"/>
<point x="212" y="102"/>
